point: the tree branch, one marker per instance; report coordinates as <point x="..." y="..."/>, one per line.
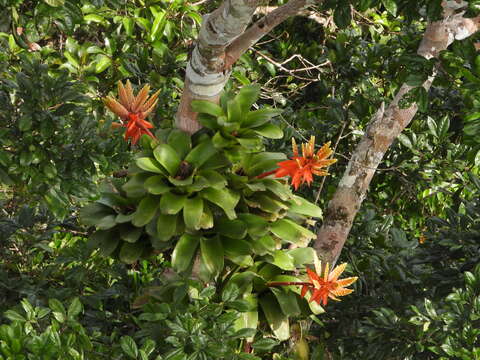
<point x="222" y="40"/>
<point x="382" y="130"/>
<point x="206" y="72"/>
<point x="262" y="27"/>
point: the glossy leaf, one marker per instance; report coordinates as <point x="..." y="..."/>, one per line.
<point x="184" y="251"/>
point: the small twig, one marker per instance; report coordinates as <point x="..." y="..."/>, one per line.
<point x="290" y="72"/>
<point x="199" y="2"/>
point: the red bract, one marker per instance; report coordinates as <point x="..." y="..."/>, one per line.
<point x="133" y="110"/>
<point x="302" y="168"/>
<point x="328" y="286"/>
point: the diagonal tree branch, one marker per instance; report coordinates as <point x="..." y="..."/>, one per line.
<point x="262" y="27"/>
<point x="385" y="126"/>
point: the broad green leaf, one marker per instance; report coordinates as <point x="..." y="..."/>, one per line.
<point x="405" y="140"/>
<point x="265" y="344"/>
<point x="302" y="206"/>
<point x="128" y="24"/>
<point x="234" y="111"/>
<point x="102" y="63"/>
<point x="130" y="234"/>
<point x="443" y="126"/>
<point x="225" y="199"/>
<point x="171" y="204"/>
<point x="201" y="153"/>
<point x="14" y="316"/>
<point x="264" y="245"/>
<point x="180" y="141"/>
<point x="135" y="186"/>
<point x="130" y="253"/>
<point x="166" y="226"/>
<point x="260" y="117"/>
<point x="213" y="178"/>
<point x="57" y="306"/>
<point x="106" y="222"/>
<point x="283" y="260"/>
<point x="269" y="131"/>
<point x="208" y="121"/>
<point x="184" y="251"/>
<point x="151" y="165"/>
<point x="75" y="308"/>
<point x="155" y="185"/>
<point x="256" y="225"/>
<point x="107" y="241"/>
<point x="302" y="256"/>
<point x="266" y="203"/>
<point x="263" y="162"/>
<point x="342" y="15"/>
<point x="158" y="25"/>
<point x="167" y="156"/>
<point x="277" y="321"/>
<point x="146" y="210"/>
<point x="94" y="18"/>
<point x="250" y="143"/>
<point x="288" y="301"/>
<point x="289" y="231"/>
<point x="207" y="107"/>
<point x="391" y="6"/>
<point x="236" y="247"/>
<point x="181" y="182"/>
<point x="220" y="141"/>
<point x="249" y="319"/>
<point x="123" y="218"/>
<point x="234" y="229"/>
<point x="212" y="255"/>
<point x="192" y="212"/>
<point x="247" y="96"/>
<point x="280" y="189"/>
<point x="129" y="346"/>
<point x="206" y="220"/>
<point x="432" y="125"/>
<point x="92" y="214"/>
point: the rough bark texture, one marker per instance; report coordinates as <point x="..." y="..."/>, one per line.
<point x="222" y="40"/>
<point x="385" y="126"/>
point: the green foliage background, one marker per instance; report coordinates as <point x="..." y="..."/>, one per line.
<point x="413" y="300"/>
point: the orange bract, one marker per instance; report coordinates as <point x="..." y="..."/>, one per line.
<point x="133" y="110"/>
<point x="302" y="168"/>
<point x="327" y="286"/>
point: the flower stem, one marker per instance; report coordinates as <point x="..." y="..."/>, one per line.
<point x="287" y="283"/>
<point x="265" y="174"/>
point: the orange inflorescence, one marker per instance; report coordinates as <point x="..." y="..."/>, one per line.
<point x="302" y="168"/>
<point x="422" y="239"/>
<point x="328" y="286"/>
<point x="133" y="110"/>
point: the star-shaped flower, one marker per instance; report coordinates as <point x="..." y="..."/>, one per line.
<point x="302" y="168"/>
<point x="133" y="110"/>
<point x="328" y="286"/>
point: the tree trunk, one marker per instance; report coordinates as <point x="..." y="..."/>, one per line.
<point x="383" y="129"/>
<point x="222" y="40"/>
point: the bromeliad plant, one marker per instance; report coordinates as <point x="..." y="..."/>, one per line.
<point x="207" y="203"/>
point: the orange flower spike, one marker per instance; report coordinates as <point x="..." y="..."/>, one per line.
<point x="327" y="286"/>
<point x="133" y="110"/>
<point x="302" y="168"/>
